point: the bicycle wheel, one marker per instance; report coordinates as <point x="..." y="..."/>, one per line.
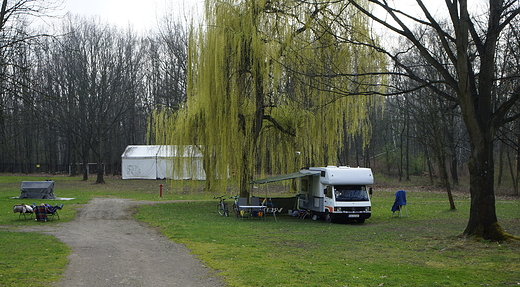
<point x="226" y="210"/>
<point x="220" y="209"/>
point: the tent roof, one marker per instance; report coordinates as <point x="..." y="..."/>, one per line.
<point x="153" y="151"/>
<point x="142" y="151"/>
<point x="285" y="177"/>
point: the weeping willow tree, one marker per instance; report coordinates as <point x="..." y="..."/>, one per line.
<point x="269" y="88"/>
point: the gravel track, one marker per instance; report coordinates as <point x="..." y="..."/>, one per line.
<point x="110" y="248"/>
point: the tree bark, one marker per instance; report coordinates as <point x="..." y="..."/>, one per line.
<point x="443" y="173"/>
<point x="483" y="220"/>
<point x="85" y="168"/>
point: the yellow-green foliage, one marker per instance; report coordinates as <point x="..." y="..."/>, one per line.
<point x="269" y="78"/>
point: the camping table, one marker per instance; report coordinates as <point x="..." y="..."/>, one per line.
<point x="261" y="208"/>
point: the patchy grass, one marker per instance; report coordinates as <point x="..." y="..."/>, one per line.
<point x="424" y="249"/>
<point x="31" y="259"/>
<point x="24" y="262"/>
<point x="83" y="192"/>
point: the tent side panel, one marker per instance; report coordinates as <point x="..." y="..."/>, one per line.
<point x="185" y="168"/>
<point x="139" y="168"/>
<point x="163" y="168"/>
<point x="200" y="174"/>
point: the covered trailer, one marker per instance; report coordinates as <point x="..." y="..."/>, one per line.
<point x="37" y="189"/>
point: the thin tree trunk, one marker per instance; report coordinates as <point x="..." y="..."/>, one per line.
<point x="500" y="164"/>
<point x="445" y="180"/>
<point x="513" y="169"/>
<point x="85" y="169"/>
<point x="100" y="153"/>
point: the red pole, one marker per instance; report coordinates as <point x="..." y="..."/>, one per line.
<point x="160" y="190"/>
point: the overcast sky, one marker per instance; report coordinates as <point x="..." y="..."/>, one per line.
<point x="141" y="14"/>
<point x="144" y="15"/>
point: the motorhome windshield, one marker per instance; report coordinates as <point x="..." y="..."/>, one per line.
<point x="350" y="193"/>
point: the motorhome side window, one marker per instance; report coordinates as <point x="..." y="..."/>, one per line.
<point x="304" y="185"/>
<point x="328" y="191"/>
<point x="350" y="193"/>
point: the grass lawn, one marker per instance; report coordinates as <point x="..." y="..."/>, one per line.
<point x="423" y="249"/>
<point x="24" y="262"/>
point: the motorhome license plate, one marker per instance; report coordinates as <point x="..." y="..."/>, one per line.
<point x="353" y="215"/>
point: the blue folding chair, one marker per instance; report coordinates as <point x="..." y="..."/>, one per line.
<point x="400" y="204"/>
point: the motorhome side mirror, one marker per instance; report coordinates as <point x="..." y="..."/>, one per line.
<point x="370" y="191"/>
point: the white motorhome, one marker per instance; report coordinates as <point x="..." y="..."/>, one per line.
<point x="336" y="192"/>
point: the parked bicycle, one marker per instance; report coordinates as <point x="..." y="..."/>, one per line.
<point x="222" y="207"/>
<point x="236" y="210"/>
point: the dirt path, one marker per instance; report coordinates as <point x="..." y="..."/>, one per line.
<point x="110" y="248"/>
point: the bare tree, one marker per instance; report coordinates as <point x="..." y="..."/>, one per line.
<point x="470" y="73"/>
<point x="95" y="79"/>
<point x="18" y="109"/>
<point x="167" y="62"/>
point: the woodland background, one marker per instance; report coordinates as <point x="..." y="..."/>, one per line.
<point x="84" y="93"/>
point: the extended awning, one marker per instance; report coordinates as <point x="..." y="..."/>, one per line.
<point x="284" y="177"/>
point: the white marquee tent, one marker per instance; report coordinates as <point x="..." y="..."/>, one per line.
<point x="162" y="161"/>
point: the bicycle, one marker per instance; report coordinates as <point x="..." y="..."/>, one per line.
<point x="222" y="207"/>
<point x="236" y="210"/>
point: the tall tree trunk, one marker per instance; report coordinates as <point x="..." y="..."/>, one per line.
<point x="85" y="169"/>
<point x="245" y="174"/>
<point x="208" y="162"/>
<point x="500" y="164"/>
<point x="513" y="169"/>
<point x="516" y="172"/>
<point x="100" y="153"/>
<point x="100" y="173"/>
<point x="454" y="170"/>
<point x="429" y="163"/>
<point x="482" y="219"/>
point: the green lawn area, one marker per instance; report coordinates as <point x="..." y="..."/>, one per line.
<point x="423" y="249"/>
<point x="24" y="262"/>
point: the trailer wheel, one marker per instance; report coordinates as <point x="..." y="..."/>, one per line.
<point x="328" y="218"/>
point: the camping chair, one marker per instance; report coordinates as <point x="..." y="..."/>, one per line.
<point x="46" y="211"/>
<point x="260" y="209"/>
<point x="23" y="210"/>
<point x="400" y="204"/>
<point x="41" y="213"/>
<point x="269" y="206"/>
<point x="255" y="201"/>
<point x="53" y="210"/>
<point x="242" y="212"/>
